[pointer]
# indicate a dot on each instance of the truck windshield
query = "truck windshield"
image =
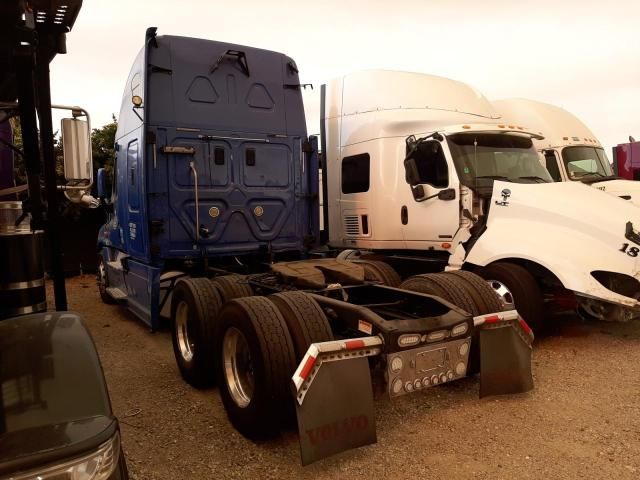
(481, 158)
(586, 163)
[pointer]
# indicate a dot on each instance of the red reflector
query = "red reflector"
(353, 344)
(492, 319)
(524, 325)
(308, 365)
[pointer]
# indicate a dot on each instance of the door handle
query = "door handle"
(404, 215)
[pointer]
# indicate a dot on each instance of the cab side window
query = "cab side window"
(355, 173)
(432, 164)
(552, 166)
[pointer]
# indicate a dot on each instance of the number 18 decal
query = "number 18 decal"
(632, 252)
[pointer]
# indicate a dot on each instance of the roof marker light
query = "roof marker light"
(466, 127)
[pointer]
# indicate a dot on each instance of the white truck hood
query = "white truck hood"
(621, 188)
(567, 227)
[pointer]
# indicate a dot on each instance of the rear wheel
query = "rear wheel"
(103, 282)
(256, 360)
(233, 286)
(305, 320)
(194, 309)
(465, 290)
(424, 284)
(450, 288)
(517, 287)
(486, 298)
(377, 271)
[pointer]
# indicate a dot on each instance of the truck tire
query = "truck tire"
(485, 297)
(423, 284)
(103, 282)
(255, 362)
(305, 320)
(194, 309)
(522, 286)
(456, 290)
(348, 254)
(233, 286)
(377, 271)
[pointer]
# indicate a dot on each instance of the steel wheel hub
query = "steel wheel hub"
(238, 367)
(102, 277)
(182, 331)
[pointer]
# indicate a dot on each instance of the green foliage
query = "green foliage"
(102, 142)
(19, 170)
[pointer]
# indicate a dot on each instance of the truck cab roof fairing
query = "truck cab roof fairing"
(206, 84)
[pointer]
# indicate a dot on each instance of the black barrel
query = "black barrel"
(22, 288)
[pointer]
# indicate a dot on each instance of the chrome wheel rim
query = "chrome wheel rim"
(506, 297)
(102, 277)
(238, 367)
(182, 331)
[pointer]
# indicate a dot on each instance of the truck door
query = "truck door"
(429, 208)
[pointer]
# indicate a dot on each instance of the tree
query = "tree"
(102, 145)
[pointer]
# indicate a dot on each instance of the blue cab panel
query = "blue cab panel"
(212, 160)
(230, 117)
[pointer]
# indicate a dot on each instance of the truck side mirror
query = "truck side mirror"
(411, 171)
(76, 144)
(447, 194)
(420, 193)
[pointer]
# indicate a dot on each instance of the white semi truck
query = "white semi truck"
(422, 172)
(569, 150)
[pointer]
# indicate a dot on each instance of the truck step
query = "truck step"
(116, 293)
(117, 265)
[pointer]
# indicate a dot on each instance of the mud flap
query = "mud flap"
(334, 398)
(505, 358)
(337, 413)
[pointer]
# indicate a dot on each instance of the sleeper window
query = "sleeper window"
(355, 173)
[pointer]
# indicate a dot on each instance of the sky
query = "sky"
(581, 55)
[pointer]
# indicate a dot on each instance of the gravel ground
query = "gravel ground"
(581, 421)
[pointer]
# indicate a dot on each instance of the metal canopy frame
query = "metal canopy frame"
(32, 33)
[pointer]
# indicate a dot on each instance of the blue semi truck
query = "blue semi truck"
(214, 225)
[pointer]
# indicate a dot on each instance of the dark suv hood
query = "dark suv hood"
(53, 396)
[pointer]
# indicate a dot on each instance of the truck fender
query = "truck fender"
(567, 253)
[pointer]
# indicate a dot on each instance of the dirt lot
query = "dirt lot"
(581, 421)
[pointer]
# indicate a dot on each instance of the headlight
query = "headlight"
(98, 465)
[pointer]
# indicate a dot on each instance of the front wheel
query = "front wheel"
(517, 288)
(103, 282)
